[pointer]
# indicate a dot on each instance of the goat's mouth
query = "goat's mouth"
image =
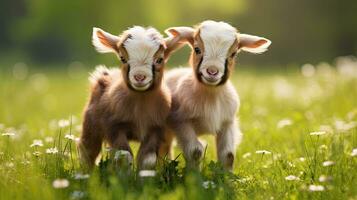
(141, 86)
(210, 80)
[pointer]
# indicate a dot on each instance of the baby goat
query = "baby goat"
(131, 103)
(203, 98)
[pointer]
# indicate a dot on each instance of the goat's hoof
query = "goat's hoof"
(197, 154)
(229, 161)
(123, 158)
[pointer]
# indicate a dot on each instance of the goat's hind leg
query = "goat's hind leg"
(90, 142)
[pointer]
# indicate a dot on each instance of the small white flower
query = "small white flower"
(62, 123)
(292, 178)
(147, 173)
(77, 194)
(324, 178)
(52, 150)
(343, 126)
(326, 128)
(302, 159)
(283, 123)
(354, 152)
(60, 183)
(247, 155)
(69, 137)
(318, 133)
(316, 188)
(49, 139)
(291, 164)
(262, 152)
(328, 163)
(208, 184)
(36, 153)
(36, 143)
(80, 176)
(8, 134)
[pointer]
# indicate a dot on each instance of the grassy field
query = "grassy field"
(300, 140)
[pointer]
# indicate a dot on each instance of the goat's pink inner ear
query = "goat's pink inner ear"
(105, 40)
(256, 44)
(173, 32)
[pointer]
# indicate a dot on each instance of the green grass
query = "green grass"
(31, 108)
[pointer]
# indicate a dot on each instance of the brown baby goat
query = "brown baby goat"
(131, 103)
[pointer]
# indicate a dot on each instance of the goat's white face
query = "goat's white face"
(215, 45)
(217, 39)
(140, 50)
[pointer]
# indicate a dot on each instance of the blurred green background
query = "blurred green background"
(52, 33)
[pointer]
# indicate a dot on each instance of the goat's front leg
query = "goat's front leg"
(227, 141)
(149, 148)
(119, 144)
(187, 139)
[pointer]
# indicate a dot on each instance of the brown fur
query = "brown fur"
(117, 114)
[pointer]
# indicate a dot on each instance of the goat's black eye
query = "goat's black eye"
(233, 54)
(159, 61)
(123, 60)
(197, 50)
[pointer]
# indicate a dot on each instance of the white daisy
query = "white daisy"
(316, 188)
(354, 152)
(292, 178)
(36, 143)
(283, 123)
(60, 183)
(70, 137)
(208, 184)
(8, 134)
(147, 173)
(262, 152)
(52, 150)
(36, 153)
(246, 155)
(324, 178)
(80, 176)
(328, 163)
(62, 123)
(318, 133)
(77, 194)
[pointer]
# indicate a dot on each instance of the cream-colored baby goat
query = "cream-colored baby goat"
(203, 98)
(131, 103)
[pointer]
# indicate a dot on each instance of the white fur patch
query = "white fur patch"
(217, 38)
(149, 161)
(141, 47)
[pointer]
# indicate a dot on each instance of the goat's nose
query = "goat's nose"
(139, 77)
(212, 71)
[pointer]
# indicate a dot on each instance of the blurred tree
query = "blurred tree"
(301, 31)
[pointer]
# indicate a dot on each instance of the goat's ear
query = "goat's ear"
(104, 42)
(177, 37)
(252, 43)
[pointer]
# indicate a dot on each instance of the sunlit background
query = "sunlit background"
(298, 107)
(50, 32)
